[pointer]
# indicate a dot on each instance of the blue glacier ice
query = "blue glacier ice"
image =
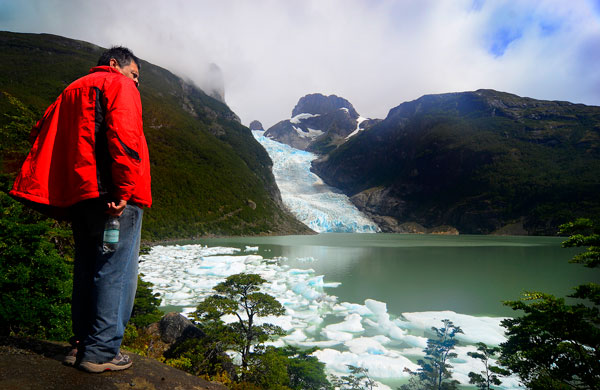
(323, 208)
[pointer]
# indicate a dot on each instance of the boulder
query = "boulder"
(174, 327)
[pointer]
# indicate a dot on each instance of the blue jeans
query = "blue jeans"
(104, 284)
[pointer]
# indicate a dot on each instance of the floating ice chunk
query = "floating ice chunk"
(352, 323)
(376, 307)
(284, 322)
(297, 335)
(320, 344)
(308, 259)
(336, 335)
(476, 329)
(306, 291)
(367, 345)
(295, 271)
(382, 320)
(251, 248)
(361, 310)
(379, 366)
(416, 341)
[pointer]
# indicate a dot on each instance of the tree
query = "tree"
(555, 344)
(490, 375)
(434, 373)
(239, 295)
(358, 379)
(305, 371)
(35, 277)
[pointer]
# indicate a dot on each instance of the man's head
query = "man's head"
(123, 60)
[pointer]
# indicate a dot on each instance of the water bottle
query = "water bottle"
(111, 234)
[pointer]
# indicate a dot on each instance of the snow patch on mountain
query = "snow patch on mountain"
(358, 129)
(296, 120)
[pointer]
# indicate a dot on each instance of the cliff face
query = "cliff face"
(479, 161)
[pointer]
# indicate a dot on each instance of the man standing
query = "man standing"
(89, 160)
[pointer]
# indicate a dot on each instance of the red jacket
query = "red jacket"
(89, 144)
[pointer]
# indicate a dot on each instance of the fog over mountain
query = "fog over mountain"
(377, 54)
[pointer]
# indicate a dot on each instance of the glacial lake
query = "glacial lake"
(370, 300)
(467, 274)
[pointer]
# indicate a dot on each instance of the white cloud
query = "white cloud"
(375, 53)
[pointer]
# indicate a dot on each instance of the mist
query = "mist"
(375, 53)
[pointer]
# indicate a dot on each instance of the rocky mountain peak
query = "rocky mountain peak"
(319, 104)
(318, 124)
(256, 125)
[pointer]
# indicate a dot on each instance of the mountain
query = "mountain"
(319, 124)
(482, 162)
(256, 125)
(209, 175)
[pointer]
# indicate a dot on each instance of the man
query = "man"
(89, 161)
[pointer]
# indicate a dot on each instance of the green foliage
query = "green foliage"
(491, 374)
(35, 279)
(555, 344)
(209, 175)
(268, 370)
(200, 356)
(305, 371)
(358, 379)
(145, 306)
(434, 373)
(477, 161)
(239, 295)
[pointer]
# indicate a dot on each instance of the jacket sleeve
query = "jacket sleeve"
(124, 135)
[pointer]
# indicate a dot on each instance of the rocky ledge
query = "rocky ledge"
(37, 365)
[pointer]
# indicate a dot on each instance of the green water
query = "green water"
(466, 274)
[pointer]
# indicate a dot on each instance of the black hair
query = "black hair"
(121, 54)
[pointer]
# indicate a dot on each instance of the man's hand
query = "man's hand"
(116, 209)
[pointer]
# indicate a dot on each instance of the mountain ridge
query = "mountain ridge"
(479, 161)
(209, 175)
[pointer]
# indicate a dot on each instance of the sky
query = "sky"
(375, 53)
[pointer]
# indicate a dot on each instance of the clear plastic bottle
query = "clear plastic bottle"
(111, 234)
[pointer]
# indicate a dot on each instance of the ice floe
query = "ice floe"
(364, 335)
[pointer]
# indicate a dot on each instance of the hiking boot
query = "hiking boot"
(70, 358)
(120, 362)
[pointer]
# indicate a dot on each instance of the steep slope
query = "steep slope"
(209, 175)
(479, 161)
(319, 124)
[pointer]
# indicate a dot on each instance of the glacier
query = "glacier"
(322, 208)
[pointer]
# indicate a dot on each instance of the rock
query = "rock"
(37, 365)
(319, 104)
(512, 229)
(174, 327)
(411, 228)
(256, 125)
(444, 230)
(379, 201)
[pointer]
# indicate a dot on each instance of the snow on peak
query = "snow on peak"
(358, 129)
(344, 109)
(296, 120)
(311, 133)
